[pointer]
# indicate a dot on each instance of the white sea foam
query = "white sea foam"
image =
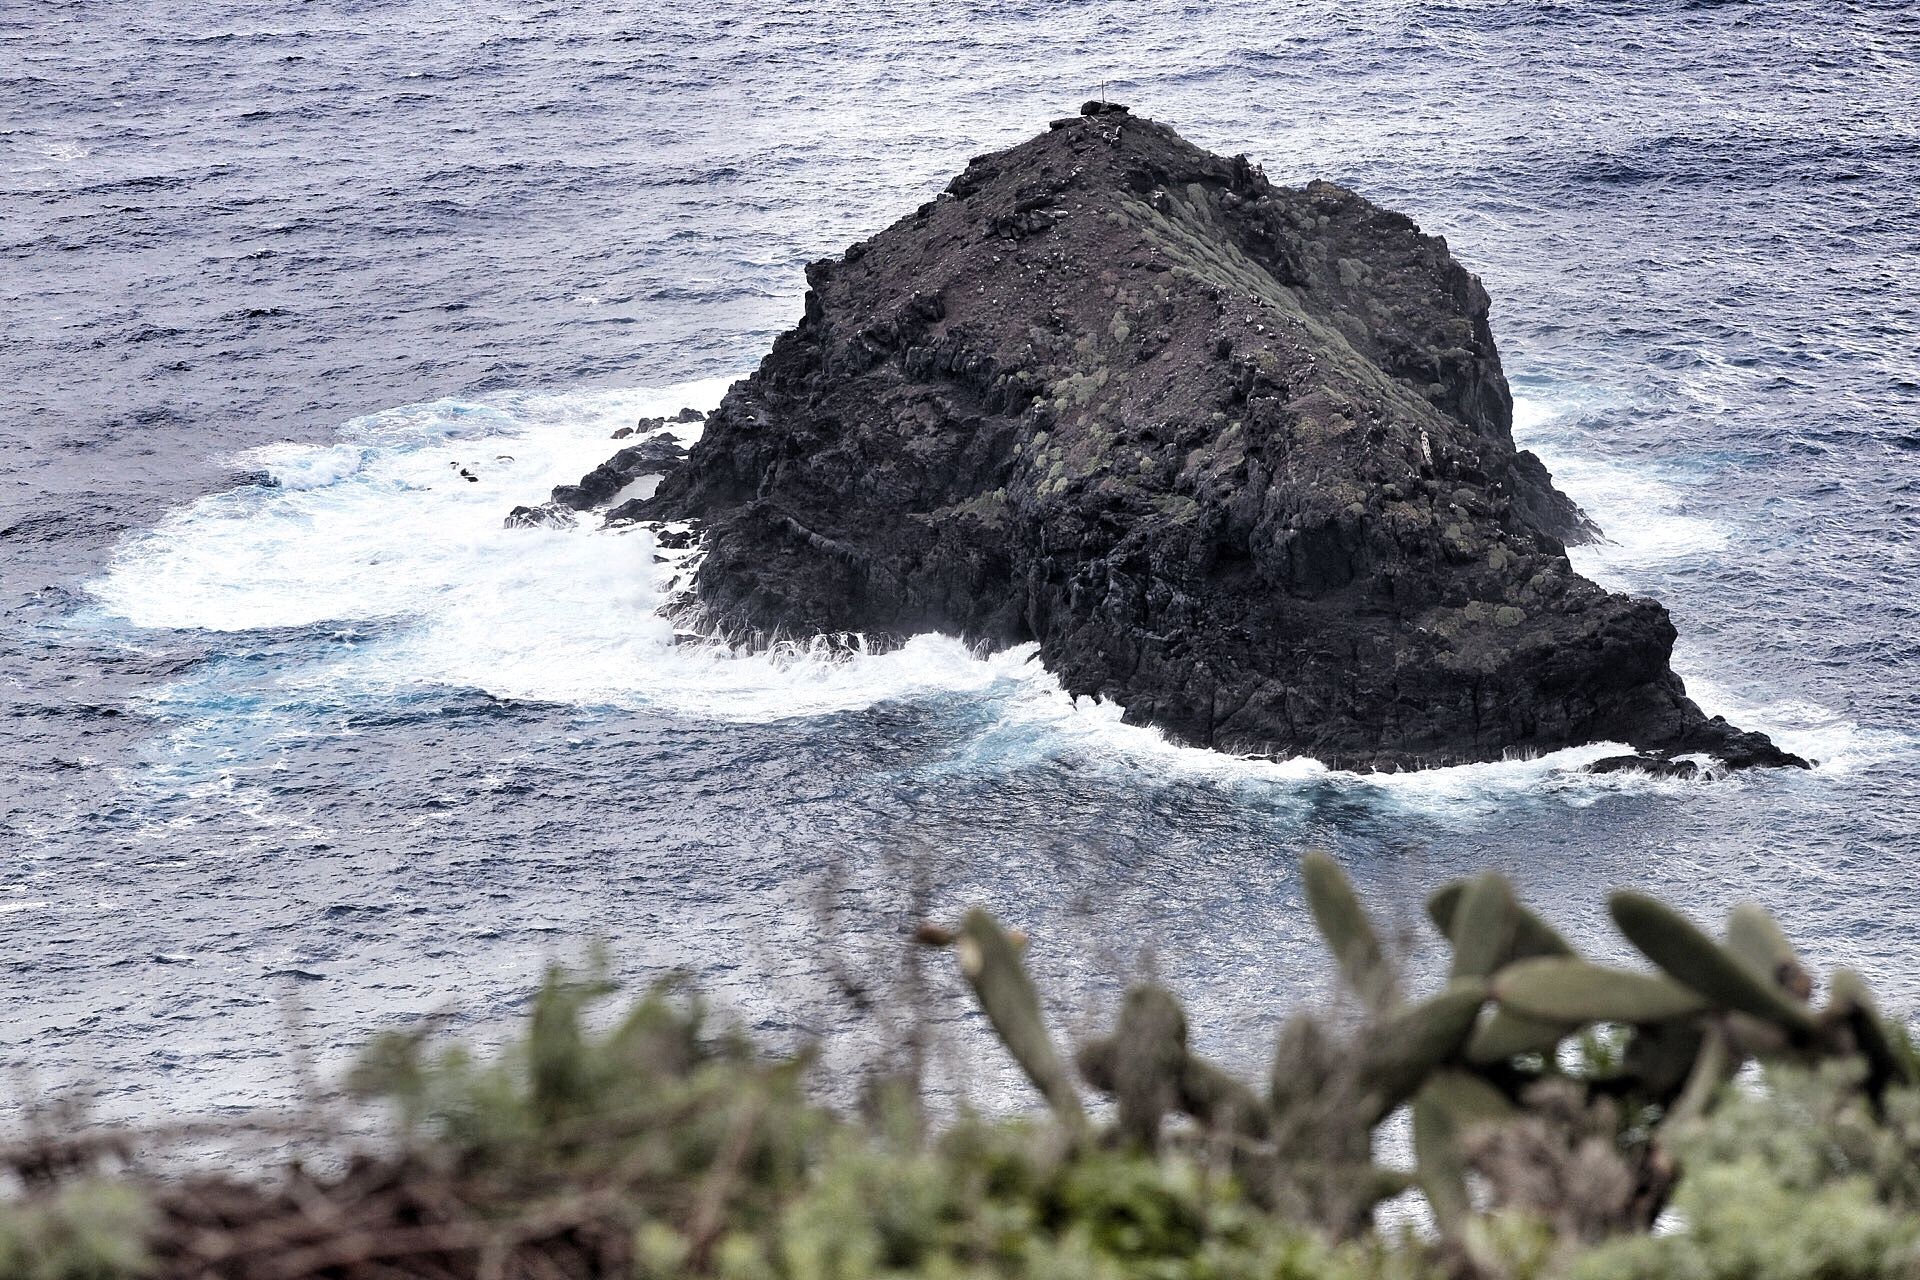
(1041, 724)
(1641, 515)
(298, 467)
(1643, 519)
(1835, 742)
(383, 527)
(381, 540)
(385, 524)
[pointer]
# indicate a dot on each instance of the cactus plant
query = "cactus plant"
(1484, 926)
(1448, 1105)
(1146, 1077)
(1505, 1034)
(1579, 992)
(1889, 1057)
(991, 963)
(1482, 1054)
(1711, 1069)
(1756, 938)
(1532, 936)
(1678, 946)
(1406, 1046)
(1348, 933)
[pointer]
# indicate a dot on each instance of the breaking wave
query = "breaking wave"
(387, 552)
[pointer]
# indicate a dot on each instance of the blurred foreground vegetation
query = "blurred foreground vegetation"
(1702, 1117)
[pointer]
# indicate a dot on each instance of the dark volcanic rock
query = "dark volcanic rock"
(656, 455)
(548, 515)
(1237, 456)
(1656, 766)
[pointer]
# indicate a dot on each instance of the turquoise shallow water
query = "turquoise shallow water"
(287, 711)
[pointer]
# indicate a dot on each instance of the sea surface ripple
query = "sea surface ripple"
(293, 728)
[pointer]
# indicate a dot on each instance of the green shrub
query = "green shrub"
(1557, 1108)
(89, 1230)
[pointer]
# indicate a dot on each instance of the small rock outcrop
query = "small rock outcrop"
(654, 456)
(1237, 456)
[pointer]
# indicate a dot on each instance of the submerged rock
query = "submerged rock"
(655, 456)
(548, 515)
(1652, 765)
(1237, 456)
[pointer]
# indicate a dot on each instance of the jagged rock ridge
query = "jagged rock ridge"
(1237, 456)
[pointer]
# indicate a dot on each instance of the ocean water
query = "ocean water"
(296, 735)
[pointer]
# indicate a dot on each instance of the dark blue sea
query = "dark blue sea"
(296, 741)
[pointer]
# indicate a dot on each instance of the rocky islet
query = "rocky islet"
(1237, 456)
